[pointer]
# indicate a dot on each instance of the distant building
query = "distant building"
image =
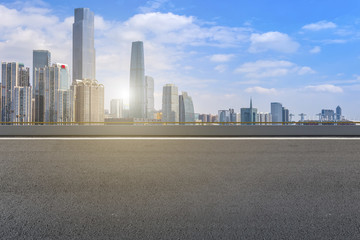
(327, 115)
(277, 112)
(264, 118)
(224, 116)
(249, 115)
(52, 94)
(89, 101)
(338, 114)
(285, 115)
(41, 59)
(16, 93)
(84, 66)
(170, 103)
(116, 108)
(186, 108)
(150, 102)
(227, 116)
(137, 104)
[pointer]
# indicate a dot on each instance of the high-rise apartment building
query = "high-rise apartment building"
(52, 94)
(170, 103)
(89, 101)
(150, 102)
(16, 93)
(277, 112)
(83, 45)
(264, 118)
(186, 108)
(116, 108)
(137, 103)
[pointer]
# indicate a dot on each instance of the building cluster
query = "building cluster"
(278, 115)
(51, 99)
(175, 107)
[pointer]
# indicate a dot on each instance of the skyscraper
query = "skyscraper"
(16, 93)
(285, 115)
(186, 108)
(83, 45)
(170, 103)
(249, 115)
(41, 59)
(276, 112)
(150, 103)
(87, 95)
(137, 103)
(338, 113)
(116, 108)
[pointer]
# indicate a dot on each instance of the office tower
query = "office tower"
(137, 103)
(249, 115)
(276, 112)
(52, 94)
(116, 108)
(186, 108)
(170, 103)
(89, 101)
(224, 116)
(285, 115)
(150, 102)
(41, 59)
(338, 113)
(16, 93)
(83, 45)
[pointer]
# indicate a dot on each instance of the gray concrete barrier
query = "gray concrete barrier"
(179, 131)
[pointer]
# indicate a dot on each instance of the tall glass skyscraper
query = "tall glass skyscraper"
(186, 108)
(41, 59)
(83, 45)
(277, 112)
(137, 103)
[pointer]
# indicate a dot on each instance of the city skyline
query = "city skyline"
(307, 65)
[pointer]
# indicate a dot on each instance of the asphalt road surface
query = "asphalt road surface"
(179, 189)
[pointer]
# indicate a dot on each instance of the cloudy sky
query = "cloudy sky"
(304, 54)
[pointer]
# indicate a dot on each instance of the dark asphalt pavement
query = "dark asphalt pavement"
(179, 189)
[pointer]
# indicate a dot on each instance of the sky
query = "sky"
(302, 53)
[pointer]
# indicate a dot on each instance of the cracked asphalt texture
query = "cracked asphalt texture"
(179, 189)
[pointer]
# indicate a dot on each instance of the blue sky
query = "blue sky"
(304, 54)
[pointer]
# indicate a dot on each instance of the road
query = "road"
(179, 188)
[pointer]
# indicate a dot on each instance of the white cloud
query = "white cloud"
(325, 88)
(221, 57)
(319, 26)
(305, 70)
(153, 5)
(261, 90)
(273, 41)
(269, 69)
(221, 68)
(315, 50)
